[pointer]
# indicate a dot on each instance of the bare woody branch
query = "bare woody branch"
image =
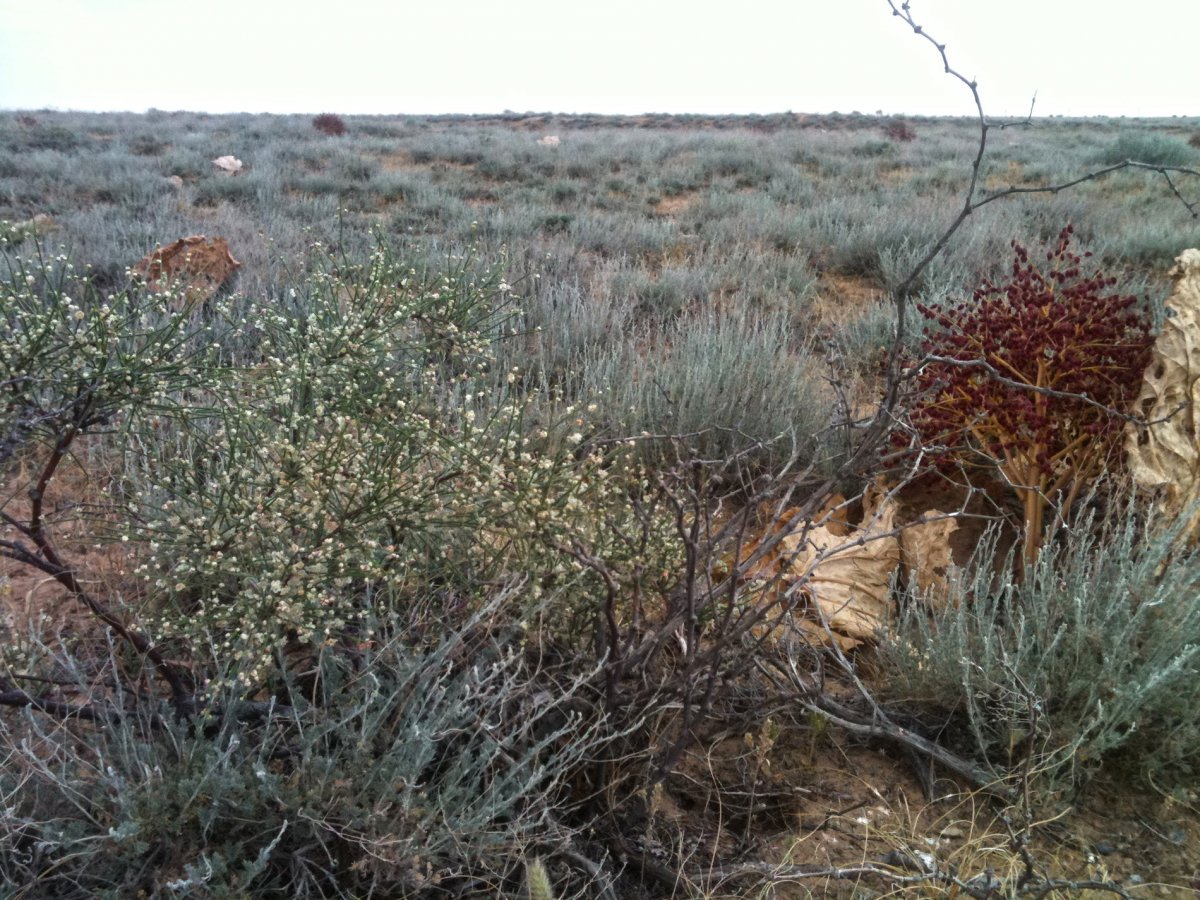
(877, 429)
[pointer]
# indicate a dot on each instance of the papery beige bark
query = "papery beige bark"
(927, 559)
(1164, 456)
(847, 574)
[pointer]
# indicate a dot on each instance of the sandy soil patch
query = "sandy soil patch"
(670, 207)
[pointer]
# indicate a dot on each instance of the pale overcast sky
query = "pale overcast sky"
(1082, 57)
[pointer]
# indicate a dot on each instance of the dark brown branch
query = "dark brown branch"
(11, 696)
(880, 726)
(242, 711)
(878, 428)
(995, 375)
(47, 560)
(1165, 171)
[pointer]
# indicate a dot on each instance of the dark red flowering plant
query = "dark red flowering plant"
(1032, 377)
(330, 124)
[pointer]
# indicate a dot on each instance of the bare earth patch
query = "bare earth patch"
(843, 298)
(811, 798)
(673, 206)
(76, 503)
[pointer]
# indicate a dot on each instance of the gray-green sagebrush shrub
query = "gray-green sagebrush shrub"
(1094, 655)
(721, 384)
(1147, 147)
(411, 769)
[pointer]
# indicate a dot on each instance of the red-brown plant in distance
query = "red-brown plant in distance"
(330, 124)
(1032, 376)
(899, 130)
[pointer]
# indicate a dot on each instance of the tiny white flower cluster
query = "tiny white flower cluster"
(366, 450)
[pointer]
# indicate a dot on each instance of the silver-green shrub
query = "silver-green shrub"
(719, 384)
(1094, 656)
(409, 770)
(1150, 147)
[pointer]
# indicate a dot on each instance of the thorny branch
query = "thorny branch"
(1193, 207)
(994, 374)
(877, 429)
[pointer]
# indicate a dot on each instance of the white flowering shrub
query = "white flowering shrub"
(72, 362)
(372, 452)
(347, 535)
(288, 468)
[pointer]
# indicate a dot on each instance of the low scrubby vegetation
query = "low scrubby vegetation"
(415, 562)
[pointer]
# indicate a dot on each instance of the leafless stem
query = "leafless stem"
(44, 557)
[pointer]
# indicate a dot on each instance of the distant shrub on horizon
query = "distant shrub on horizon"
(330, 124)
(899, 130)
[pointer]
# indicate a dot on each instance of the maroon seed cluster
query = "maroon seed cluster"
(1033, 377)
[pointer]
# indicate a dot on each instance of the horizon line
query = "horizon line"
(528, 114)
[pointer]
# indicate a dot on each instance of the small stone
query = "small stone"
(916, 861)
(1104, 848)
(228, 165)
(1135, 878)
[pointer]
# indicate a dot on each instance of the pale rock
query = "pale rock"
(228, 165)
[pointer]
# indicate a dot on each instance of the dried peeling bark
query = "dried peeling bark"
(1163, 455)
